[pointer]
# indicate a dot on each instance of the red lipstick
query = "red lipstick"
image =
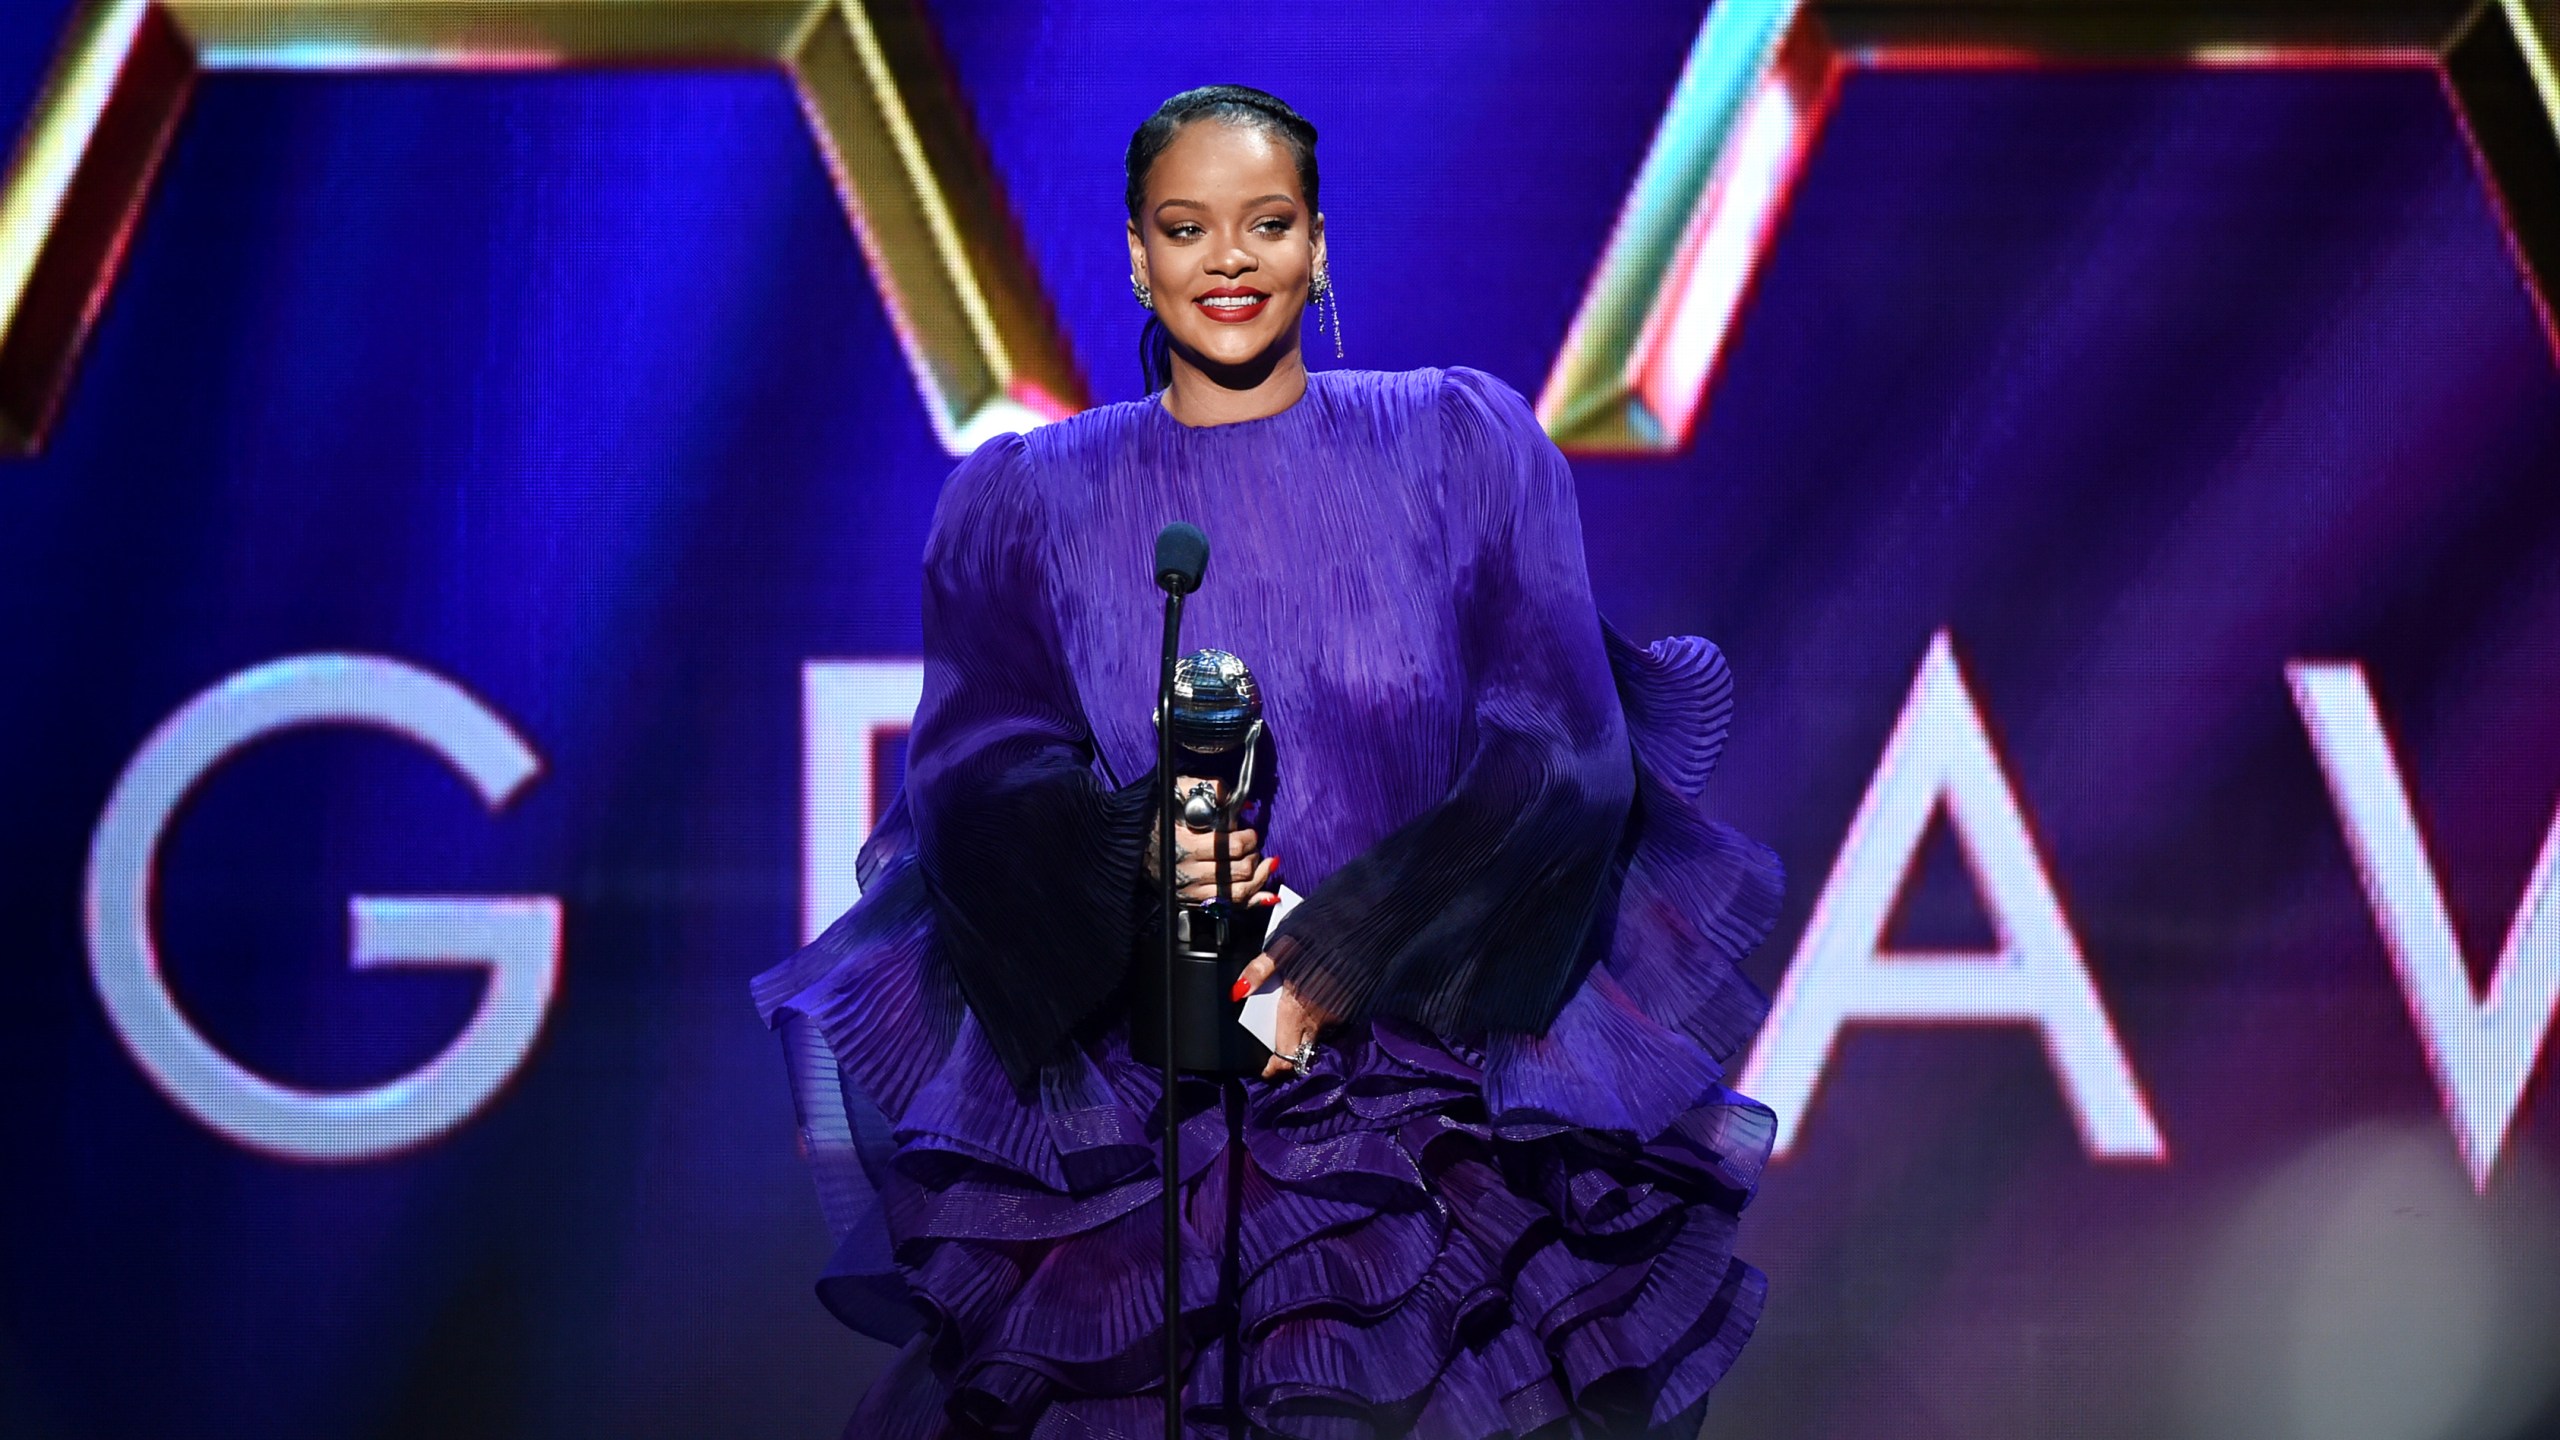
(1255, 303)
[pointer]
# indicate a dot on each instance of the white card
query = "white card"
(1261, 1015)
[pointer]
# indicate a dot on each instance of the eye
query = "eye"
(1182, 231)
(1273, 226)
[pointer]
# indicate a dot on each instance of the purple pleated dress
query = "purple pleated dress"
(1502, 1201)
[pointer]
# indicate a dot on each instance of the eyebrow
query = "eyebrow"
(1164, 205)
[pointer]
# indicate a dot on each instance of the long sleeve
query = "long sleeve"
(1030, 859)
(1472, 915)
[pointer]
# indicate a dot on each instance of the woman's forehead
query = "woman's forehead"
(1217, 162)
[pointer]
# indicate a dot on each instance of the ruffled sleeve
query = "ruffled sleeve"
(1471, 916)
(1029, 858)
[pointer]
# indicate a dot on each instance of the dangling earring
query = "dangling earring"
(1325, 303)
(1146, 300)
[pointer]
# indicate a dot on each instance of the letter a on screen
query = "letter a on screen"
(1940, 753)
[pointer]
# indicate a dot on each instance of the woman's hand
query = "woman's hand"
(1293, 1024)
(1251, 876)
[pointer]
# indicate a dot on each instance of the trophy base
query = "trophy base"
(1207, 1038)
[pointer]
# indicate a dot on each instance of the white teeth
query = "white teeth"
(1232, 302)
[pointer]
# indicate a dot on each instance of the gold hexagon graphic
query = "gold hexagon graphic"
(1658, 317)
(976, 328)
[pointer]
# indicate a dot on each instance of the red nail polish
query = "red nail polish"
(1242, 986)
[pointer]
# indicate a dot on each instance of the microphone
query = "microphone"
(1182, 556)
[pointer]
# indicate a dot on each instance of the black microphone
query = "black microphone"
(1182, 557)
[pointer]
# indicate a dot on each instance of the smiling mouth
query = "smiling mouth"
(1232, 308)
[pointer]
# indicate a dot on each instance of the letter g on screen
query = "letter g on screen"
(516, 938)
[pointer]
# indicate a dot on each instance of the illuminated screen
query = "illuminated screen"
(461, 613)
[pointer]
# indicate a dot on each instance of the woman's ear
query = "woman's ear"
(1318, 232)
(1138, 257)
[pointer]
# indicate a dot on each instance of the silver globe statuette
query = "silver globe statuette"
(1217, 710)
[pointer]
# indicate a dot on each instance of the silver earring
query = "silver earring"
(1327, 305)
(1137, 287)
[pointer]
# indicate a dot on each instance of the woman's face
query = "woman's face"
(1226, 244)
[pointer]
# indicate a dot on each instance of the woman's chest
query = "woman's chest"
(1336, 589)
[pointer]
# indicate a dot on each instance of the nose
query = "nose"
(1237, 261)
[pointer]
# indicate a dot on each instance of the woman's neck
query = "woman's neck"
(1198, 398)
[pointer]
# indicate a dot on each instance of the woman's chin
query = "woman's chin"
(1244, 356)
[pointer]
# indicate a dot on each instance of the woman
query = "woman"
(1489, 1186)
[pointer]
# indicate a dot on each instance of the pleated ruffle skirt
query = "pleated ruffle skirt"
(1420, 1235)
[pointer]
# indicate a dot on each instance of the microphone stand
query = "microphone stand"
(1171, 1138)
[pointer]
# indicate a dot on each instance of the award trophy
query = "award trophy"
(1218, 737)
